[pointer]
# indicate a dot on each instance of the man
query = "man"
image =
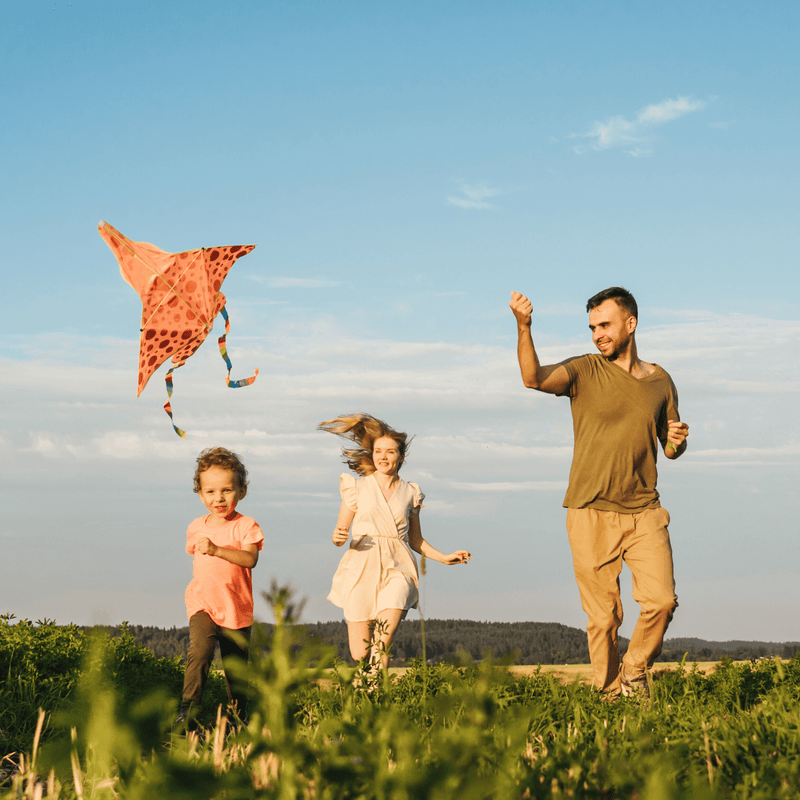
(622, 408)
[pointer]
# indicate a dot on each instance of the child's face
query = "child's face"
(220, 492)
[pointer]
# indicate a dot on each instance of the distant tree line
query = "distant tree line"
(455, 640)
(701, 650)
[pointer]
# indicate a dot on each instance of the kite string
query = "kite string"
(224, 353)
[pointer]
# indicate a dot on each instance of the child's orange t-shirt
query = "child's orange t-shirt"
(221, 589)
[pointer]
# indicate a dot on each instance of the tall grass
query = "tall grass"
(437, 732)
(42, 664)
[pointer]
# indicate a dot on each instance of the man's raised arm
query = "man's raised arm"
(552, 379)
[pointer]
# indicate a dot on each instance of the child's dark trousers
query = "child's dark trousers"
(204, 634)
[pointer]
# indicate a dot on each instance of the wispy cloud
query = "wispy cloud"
(474, 196)
(510, 486)
(489, 454)
(276, 282)
(632, 134)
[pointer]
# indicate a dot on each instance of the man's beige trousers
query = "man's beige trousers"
(600, 542)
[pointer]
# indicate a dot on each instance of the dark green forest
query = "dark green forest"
(453, 640)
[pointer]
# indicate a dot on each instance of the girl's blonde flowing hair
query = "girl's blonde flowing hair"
(364, 429)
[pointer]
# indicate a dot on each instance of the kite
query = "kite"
(180, 300)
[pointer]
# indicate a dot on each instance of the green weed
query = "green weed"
(439, 731)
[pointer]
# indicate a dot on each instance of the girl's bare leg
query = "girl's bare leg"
(387, 620)
(359, 635)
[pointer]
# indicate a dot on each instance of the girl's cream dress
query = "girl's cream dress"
(379, 570)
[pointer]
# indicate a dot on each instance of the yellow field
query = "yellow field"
(568, 673)
(582, 672)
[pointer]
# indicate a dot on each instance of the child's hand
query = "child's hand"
(340, 536)
(457, 557)
(206, 547)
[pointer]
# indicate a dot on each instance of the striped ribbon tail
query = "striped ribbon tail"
(223, 349)
(168, 404)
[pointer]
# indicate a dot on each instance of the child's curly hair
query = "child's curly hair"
(364, 429)
(220, 457)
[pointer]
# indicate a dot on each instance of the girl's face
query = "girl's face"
(386, 456)
(220, 492)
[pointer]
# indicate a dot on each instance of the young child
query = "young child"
(219, 599)
(377, 580)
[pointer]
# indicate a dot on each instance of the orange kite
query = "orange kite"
(180, 300)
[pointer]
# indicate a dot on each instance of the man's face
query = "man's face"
(612, 328)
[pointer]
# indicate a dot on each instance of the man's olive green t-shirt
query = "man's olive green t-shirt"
(618, 421)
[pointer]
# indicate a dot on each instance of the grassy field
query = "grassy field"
(583, 672)
(569, 673)
(319, 730)
(566, 673)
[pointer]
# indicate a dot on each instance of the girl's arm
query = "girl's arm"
(246, 557)
(342, 530)
(419, 545)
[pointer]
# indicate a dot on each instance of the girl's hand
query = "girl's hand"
(457, 557)
(206, 547)
(340, 536)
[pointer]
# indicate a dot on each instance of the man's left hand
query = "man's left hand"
(676, 436)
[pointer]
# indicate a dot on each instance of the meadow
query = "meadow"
(319, 729)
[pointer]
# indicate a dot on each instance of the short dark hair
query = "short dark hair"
(623, 297)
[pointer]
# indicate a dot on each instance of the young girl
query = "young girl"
(219, 600)
(377, 579)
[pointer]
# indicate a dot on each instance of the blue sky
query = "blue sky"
(401, 168)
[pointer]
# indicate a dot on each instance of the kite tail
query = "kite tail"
(168, 405)
(224, 352)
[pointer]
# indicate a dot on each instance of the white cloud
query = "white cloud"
(60, 409)
(788, 452)
(509, 486)
(474, 196)
(278, 282)
(41, 443)
(667, 110)
(492, 458)
(121, 444)
(620, 131)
